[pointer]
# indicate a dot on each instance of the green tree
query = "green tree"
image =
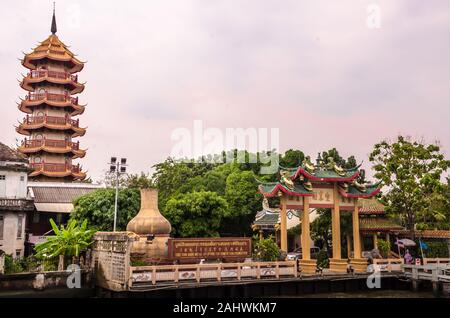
(196, 214)
(349, 163)
(138, 181)
(292, 158)
(243, 203)
(412, 171)
(172, 174)
(97, 208)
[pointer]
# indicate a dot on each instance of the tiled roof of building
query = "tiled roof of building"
(8, 154)
(266, 218)
(55, 194)
(430, 233)
(271, 189)
(379, 224)
(370, 206)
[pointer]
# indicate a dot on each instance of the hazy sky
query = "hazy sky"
(313, 69)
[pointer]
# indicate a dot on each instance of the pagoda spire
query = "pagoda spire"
(54, 29)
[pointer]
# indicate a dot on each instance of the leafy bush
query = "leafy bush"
(139, 262)
(12, 265)
(436, 249)
(384, 247)
(266, 249)
(322, 259)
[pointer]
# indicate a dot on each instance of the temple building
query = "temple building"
(50, 123)
(375, 224)
(321, 185)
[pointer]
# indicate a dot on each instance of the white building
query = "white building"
(14, 201)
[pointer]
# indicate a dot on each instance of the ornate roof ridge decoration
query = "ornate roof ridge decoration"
(358, 190)
(297, 181)
(329, 171)
(273, 190)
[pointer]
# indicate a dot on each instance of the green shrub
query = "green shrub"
(12, 265)
(322, 259)
(139, 262)
(384, 247)
(436, 248)
(266, 249)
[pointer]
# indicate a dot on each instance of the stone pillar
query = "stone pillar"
(375, 240)
(261, 235)
(349, 245)
(283, 221)
(305, 238)
(307, 264)
(358, 263)
(337, 264)
(356, 234)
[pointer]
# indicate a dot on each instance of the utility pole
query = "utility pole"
(118, 168)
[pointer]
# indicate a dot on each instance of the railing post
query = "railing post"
(176, 274)
(197, 274)
(258, 270)
(219, 273)
(154, 275)
(277, 270)
(295, 269)
(239, 272)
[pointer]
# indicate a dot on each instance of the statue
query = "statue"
(344, 186)
(331, 165)
(360, 186)
(308, 165)
(308, 185)
(362, 176)
(286, 180)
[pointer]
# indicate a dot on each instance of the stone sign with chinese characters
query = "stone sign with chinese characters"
(210, 248)
(322, 198)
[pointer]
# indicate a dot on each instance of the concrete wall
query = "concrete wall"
(14, 186)
(11, 242)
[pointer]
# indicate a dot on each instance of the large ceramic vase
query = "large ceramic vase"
(151, 226)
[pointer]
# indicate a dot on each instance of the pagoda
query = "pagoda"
(321, 185)
(51, 108)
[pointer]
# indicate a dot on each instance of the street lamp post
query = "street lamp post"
(117, 167)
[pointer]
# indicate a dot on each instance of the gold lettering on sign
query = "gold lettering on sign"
(322, 196)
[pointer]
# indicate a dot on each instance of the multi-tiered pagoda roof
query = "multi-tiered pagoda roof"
(50, 107)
